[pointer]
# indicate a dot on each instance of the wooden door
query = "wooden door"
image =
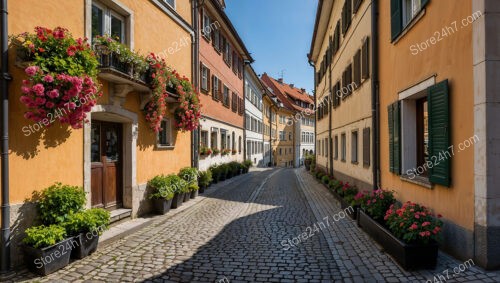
(106, 155)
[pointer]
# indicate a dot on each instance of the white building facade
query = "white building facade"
(254, 126)
(304, 139)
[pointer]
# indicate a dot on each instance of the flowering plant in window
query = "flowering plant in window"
(62, 74)
(413, 223)
(225, 152)
(215, 151)
(205, 150)
(188, 114)
(377, 203)
(156, 109)
(234, 151)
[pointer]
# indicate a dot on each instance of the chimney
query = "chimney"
(280, 80)
(303, 90)
(292, 85)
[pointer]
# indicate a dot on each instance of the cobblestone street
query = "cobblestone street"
(235, 232)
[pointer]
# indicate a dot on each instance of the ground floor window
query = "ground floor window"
(213, 138)
(164, 137)
(354, 147)
(204, 138)
(343, 147)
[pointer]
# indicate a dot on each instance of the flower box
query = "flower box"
(177, 200)
(162, 206)
(194, 194)
(187, 197)
(48, 260)
(112, 61)
(410, 257)
(84, 244)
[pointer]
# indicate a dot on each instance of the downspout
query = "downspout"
(244, 112)
(194, 72)
(375, 98)
(4, 79)
(315, 106)
(330, 114)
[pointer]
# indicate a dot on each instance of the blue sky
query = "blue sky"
(278, 34)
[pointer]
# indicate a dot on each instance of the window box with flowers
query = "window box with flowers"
(62, 76)
(215, 151)
(205, 151)
(409, 233)
(225, 152)
(233, 152)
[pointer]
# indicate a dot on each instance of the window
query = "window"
(357, 69)
(226, 96)
(215, 39)
(216, 88)
(365, 59)
(247, 121)
(337, 95)
(336, 148)
(282, 135)
(290, 136)
(205, 78)
(346, 16)
(108, 21)
(402, 14)
(234, 102)
(366, 147)
(223, 139)
(280, 151)
(354, 147)
(165, 136)
(213, 138)
(206, 26)
(204, 139)
(326, 147)
(347, 81)
(171, 3)
(356, 5)
(343, 148)
(222, 45)
(239, 144)
(419, 135)
(227, 52)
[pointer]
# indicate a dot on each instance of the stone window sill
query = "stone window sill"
(417, 180)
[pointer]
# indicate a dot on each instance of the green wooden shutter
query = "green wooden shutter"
(439, 133)
(396, 18)
(394, 138)
(424, 3)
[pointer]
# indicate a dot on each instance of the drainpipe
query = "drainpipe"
(5, 78)
(375, 98)
(330, 114)
(311, 63)
(194, 57)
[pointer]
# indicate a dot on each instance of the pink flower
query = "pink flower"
(49, 104)
(71, 105)
(414, 226)
(31, 71)
(25, 100)
(426, 223)
(40, 101)
(38, 89)
(417, 216)
(25, 89)
(48, 79)
(53, 93)
(28, 115)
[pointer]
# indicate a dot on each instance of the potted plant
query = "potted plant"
(349, 193)
(308, 161)
(215, 171)
(86, 227)
(205, 151)
(215, 151)
(225, 152)
(46, 248)
(58, 201)
(178, 186)
(223, 172)
(204, 180)
(163, 192)
(246, 165)
(190, 175)
(412, 235)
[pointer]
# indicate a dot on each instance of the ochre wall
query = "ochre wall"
(39, 160)
(450, 58)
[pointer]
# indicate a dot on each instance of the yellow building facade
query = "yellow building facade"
(117, 130)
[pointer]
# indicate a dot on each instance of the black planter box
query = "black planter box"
(177, 200)
(162, 206)
(84, 244)
(50, 259)
(111, 61)
(194, 194)
(187, 197)
(410, 257)
(202, 189)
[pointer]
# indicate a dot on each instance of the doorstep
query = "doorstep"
(119, 215)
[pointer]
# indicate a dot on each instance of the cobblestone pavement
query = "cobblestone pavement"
(236, 233)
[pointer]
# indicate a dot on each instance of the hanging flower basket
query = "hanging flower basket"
(65, 89)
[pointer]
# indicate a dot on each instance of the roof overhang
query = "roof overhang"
(320, 27)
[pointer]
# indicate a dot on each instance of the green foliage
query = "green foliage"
(193, 187)
(189, 175)
(58, 201)
(377, 203)
(349, 193)
(44, 236)
(164, 187)
(247, 164)
(223, 170)
(312, 169)
(325, 179)
(234, 167)
(205, 178)
(215, 172)
(96, 219)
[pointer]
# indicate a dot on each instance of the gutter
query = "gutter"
(194, 73)
(375, 97)
(4, 151)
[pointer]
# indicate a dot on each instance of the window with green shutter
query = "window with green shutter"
(402, 14)
(439, 133)
(394, 121)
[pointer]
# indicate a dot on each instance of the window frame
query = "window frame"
(168, 132)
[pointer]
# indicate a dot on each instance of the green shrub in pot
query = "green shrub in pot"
(162, 188)
(205, 178)
(58, 201)
(95, 219)
(44, 236)
(189, 175)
